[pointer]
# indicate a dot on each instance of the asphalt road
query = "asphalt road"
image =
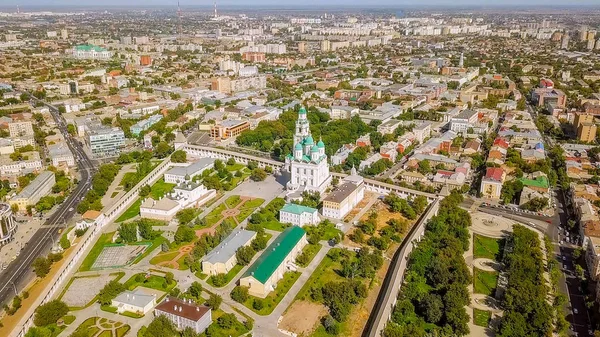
(19, 271)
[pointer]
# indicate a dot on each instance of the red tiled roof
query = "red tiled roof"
(494, 173)
(180, 308)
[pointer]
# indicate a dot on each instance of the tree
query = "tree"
(424, 167)
(239, 294)
(419, 204)
(195, 290)
(41, 265)
(433, 308)
(109, 292)
(214, 301)
(41, 332)
(161, 326)
(50, 312)
(145, 191)
(64, 242)
(244, 255)
(185, 215)
(179, 156)
(258, 174)
(162, 150)
(226, 321)
(184, 234)
(169, 277)
(231, 162)
(128, 232)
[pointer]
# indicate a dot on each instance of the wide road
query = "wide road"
(18, 273)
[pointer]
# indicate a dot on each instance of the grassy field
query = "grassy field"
(153, 282)
(254, 203)
(215, 215)
(159, 189)
(325, 272)
(162, 257)
(237, 329)
(484, 282)
(488, 248)
(233, 201)
(481, 317)
(275, 226)
(310, 251)
(271, 301)
(104, 239)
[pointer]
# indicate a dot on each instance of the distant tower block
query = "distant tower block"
(461, 62)
(179, 27)
(216, 16)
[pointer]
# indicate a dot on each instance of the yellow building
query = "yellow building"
(586, 132)
(222, 259)
(262, 276)
(582, 117)
(32, 193)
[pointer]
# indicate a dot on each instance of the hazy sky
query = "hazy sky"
(246, 3)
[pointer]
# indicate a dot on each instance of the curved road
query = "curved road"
(18, 272)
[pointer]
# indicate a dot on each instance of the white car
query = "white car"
(564, 258)
(575, 311)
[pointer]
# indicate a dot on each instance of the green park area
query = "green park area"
(484, 282)
(487, 248)
(481, 317)
(102, 327)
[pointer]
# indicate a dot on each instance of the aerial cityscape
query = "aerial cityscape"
(318, 169)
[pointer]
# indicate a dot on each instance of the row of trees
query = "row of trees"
(434, 295)
(129, 232)
(526, 310)
(100, 184)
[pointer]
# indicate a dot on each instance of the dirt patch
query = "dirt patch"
(369, 196)
(383, 216)
(303, 317)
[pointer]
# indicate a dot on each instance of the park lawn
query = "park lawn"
(126, 177)
(233, 201)
(234, 168)
(275, 226)
(160, 189)
(153, 282)
(104, 239)
(122, 331)
(228, 277)
(68, 319)
(311, 251)
(162, 257)
(215, 215)
(484, 282)
(153, 245)
(182, 264)
(326, 271)
(237, 329)
(254, 203)
(487, 248)
(270, 302)
(481, 317)
(244, 213)
(114, 194)
(131, 212)
(201, 275)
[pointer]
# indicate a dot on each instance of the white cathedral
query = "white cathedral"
(308, 163)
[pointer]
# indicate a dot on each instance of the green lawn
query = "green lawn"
(481, 317)
(162, 257)
(153, 282)
(484, 282)
(114, 194)
(275, 225)
(69, 319)
(160, 189)
(309, 251)
(131, 212)
(96, 250)
(201, 275)
(234, 168)
(254, 203)
(271, 301)
(122, 331)
(233, 201)
(488, 248)
(215, 215)
(326, 271)
(244, 213)
(228, 277)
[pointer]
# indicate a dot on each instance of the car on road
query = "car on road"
(564, 258)
(71, 209)
(575, 311)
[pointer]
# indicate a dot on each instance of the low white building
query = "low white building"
(61, 155)
(342, 200)
(183, 173)
(298, 215)
(185, 314)
(163, 209)
(135, 301)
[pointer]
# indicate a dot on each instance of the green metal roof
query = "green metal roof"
(273, 256)
(89, 47)
(540, 182)
(302, 111)
(297, 209)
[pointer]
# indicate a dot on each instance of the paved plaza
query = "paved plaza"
(83, 289)
(117, 256)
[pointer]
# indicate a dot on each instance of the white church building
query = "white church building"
(308, 163)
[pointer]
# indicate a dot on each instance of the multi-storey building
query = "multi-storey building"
(31, 194)
(184, 314)
(8, 224)
(341, 201)
(91, 52)
(298, 215)
(105, 142)
(228, 129)
(20, 128)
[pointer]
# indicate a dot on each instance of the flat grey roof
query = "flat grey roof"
(192, 168)
(227, 248)
(342, 192)
(34, 186)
